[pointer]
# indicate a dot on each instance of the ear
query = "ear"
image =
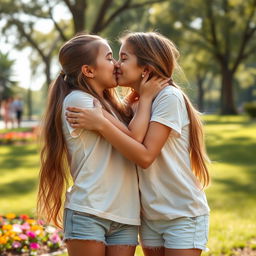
(88, 71)
(147, 69)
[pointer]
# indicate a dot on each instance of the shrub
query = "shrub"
(250, 109)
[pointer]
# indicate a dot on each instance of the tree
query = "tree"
(22, 17)
(6, 72)
(226, 28)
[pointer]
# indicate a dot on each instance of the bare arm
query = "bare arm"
(139, 124)
(142, 154)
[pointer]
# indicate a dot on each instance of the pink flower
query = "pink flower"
(16, 228)
(55, 238)
(31, 234)
(23, 236)
(25, 226)
(34, 246)
(16, 244)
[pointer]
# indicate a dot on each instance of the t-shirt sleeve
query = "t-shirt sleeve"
(81, 100)
(167, 109)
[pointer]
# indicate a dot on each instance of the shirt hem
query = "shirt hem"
(103, 215)
(176, 216)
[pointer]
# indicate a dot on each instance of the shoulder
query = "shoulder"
(77, 98)
(169, 95)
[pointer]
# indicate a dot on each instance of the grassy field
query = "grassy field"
(231, 143)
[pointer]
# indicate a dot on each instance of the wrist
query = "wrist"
(102, 125)
(146, 99)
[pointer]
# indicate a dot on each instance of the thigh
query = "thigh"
(182, 252)
(124, 250)
(156, 251)
(85, 248)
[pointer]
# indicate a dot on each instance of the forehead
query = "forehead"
(105, 48)
(125, 49)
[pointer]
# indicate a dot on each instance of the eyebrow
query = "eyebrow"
(109, 53)
(123, 53)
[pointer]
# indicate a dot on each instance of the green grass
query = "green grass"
(231, 143)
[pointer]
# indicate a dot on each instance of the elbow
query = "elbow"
(145, 162)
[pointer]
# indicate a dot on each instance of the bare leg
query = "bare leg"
(182, 252)
(122, 250)
(156, 251)
(85, 248)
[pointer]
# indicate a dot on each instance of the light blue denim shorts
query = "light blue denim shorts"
(84, 226)
(180, 233)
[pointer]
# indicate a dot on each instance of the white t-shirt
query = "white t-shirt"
(105, 183)
(169, 188)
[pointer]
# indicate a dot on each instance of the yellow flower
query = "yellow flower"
(30, 221)
(10, 233)
(10, 216)
(17, 238)
(36, 227)
(3, 240)
(7, 227)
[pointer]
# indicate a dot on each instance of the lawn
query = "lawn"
(231, 143)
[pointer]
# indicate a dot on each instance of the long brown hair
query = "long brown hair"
(158, 52)
(54, 172)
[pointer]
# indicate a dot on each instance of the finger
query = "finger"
(72, 120)
(74, 109)
(75, 125)
(72, 114)
(145, 78)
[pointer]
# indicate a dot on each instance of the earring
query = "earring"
(142, 75)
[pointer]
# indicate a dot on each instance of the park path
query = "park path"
(24, 124)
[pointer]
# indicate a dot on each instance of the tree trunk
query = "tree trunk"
(227, 93)
(200, 96)
(29, 102)
(47, 64)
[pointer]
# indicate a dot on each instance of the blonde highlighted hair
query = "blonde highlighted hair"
(54, 172)
(160, 54)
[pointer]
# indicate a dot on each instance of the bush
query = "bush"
(250, 109)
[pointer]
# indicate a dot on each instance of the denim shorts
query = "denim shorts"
(84, 226)
(180, 233)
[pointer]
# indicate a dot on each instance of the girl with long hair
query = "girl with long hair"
(172, 159)
(102, 209)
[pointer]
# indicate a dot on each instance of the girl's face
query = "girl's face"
(105, 71)
(128, 72)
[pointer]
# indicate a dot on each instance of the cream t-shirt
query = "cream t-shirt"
(105, 183)
(169, 188)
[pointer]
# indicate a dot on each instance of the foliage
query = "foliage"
(250, 109)
(6, 73)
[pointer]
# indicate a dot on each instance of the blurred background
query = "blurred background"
(217, 43)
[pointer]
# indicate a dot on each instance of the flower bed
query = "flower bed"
(14, 137)
(22, 235)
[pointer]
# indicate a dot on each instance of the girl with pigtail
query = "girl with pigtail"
(172, 160)
(102, 208)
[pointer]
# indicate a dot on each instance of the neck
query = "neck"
(136, 87)
(96, 87)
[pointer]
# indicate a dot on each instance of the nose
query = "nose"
(117, 64)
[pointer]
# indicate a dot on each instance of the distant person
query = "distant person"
(11, 111)
(18, 109)
(7, 112)
(4, 112)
